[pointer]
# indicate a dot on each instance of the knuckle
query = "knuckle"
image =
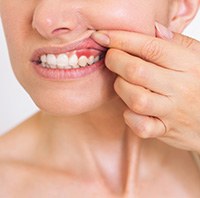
(190, 86)
(144, 130)
(185, 90)
(134, 72)
(139, 103)
(187, 41)
(151, 50)
(189, 93)
(195, 69)
(123, 44)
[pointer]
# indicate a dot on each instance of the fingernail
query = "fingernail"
(101, 38)
(163, 32)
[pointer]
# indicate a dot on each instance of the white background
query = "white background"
(15, 103)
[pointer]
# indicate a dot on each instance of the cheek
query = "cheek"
(12, 38)
(128, 16)
(17, 32)
(17, 25)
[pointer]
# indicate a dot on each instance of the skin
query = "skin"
(157, 109)
(72, 147)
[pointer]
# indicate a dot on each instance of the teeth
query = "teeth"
(73, 61)
(90, 60)
(51, 60)
(83, 61)
(62, 61)
(96, 59)
(44, 59)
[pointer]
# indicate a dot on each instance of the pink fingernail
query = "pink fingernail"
(101, 38)
(163, 32)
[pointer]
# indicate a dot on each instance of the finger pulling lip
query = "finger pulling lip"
(82, 46)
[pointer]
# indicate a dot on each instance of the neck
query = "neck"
(99, 141)
(104, 124)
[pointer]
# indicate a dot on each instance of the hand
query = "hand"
(159, 80)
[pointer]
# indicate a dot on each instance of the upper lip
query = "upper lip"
(87, 43)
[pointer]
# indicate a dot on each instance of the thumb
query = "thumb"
(185, 41)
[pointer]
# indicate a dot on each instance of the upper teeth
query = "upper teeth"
(63, 61)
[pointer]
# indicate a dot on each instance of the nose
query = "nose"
(54, 18)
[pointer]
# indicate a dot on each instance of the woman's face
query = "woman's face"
(57, 26)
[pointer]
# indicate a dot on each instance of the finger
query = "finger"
(151, 49)
(144, 126)
(141, 100)
(180, 39)
(139, 72)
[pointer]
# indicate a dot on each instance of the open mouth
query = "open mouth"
(70, 60)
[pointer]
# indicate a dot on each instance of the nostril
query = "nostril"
(60, 31)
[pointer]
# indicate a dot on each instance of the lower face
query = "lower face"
(92, 87)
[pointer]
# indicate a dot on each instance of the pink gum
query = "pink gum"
(84, 52)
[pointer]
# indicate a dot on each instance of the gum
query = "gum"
(84, 52)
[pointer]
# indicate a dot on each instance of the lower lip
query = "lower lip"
(67, 74)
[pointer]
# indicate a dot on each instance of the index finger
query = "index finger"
(158, 51)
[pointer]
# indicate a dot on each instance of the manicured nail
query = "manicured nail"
(101, 38)
(163, 32)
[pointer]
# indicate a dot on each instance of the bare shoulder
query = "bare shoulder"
(16, 151)
(17, 154)
(17, 142)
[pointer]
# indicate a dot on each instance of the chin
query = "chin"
(68, 107)
(70, 97)
(70, 103)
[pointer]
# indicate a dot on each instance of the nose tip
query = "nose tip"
(53, 21)
(42, 25)
(48, 28)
